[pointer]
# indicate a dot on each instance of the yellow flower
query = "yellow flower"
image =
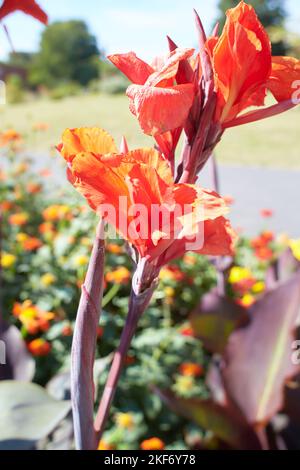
(21, 237)
(81, 260)
(48, 279)
(184, 384)
(259, 287)
(238, 274)
(169, 291)
(247, 300)
(125, 420)
(7, 260)
(295, 247)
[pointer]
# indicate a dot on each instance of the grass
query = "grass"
(273, 142)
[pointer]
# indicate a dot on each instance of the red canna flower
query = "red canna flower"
(30, 7)
(142, 179)
(244, 69)
(159, 104)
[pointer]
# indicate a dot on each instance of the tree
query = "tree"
(272, 14)
(68, 53)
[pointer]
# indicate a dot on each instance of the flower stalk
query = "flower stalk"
(143, 286)
(84, 345)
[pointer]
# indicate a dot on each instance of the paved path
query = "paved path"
(254, 189)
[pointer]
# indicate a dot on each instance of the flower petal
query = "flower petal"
(161, 109)
(135, 69)
(241, 61)
(285, 73)
(84, 139)
(30, 7)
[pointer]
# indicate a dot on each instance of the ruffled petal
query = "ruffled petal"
(84, 139)
(161, 109)
(284, 77)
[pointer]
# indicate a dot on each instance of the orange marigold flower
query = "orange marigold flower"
(120, 275)
(32, 317)
(189, 369)
(187, 331)
(30, 7)
(39, 347)
(56, 212)
(264, 253)
(114, 249)
(67, 330)
(10, 136)
(5, 206)
(154, 443)
(144, 178)
(46, 227)
(31, 244)
(103, 445)
(33, 188)
(19, 219)
(158, 103)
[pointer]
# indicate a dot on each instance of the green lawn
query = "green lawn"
(273, 142)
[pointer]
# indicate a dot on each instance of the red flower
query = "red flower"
(266, 213)
(159, 104)
(30, 7)
(244, 69)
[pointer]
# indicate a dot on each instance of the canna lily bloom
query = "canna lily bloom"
(244, 69)
(30, 7)
(158, 217)
(159, 104)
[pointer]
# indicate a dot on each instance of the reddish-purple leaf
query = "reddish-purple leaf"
(215, 319)
(227, 424)
(258, 358)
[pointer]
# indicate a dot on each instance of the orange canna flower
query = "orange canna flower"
(30, 7)
(284, 76)
(143, 179)
(241, 60)
(158, 103)
(244, 69)
(154, 443)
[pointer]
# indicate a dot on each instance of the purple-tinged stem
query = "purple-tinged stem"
(139, 301)
(214, 173)
(84, 345)
(8, 38)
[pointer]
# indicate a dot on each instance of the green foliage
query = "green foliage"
(114, 85)
(68, 53)
(15, 89)
(64, 90)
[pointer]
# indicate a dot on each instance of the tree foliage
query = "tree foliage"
(68, 53)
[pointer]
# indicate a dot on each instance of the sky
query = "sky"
(124, 25)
